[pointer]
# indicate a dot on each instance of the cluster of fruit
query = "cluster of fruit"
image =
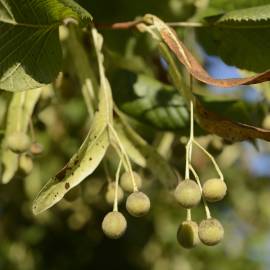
(114, 223)
(20, 143)
(188, 194)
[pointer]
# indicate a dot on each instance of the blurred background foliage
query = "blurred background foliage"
(69, 235)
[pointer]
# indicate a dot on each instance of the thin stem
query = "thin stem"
(189, 215)
(118, 25)
(207, 210)
(191, 109)
(211, 158)
(135, 188)
(191, 136)
(185, 24)
(187, 159)
(119, 153)
(130, 24)
(115, 204)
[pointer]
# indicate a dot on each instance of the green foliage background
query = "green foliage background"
(69, 235)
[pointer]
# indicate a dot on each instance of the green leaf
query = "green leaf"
(150, 101)
(30, 50)
(92, 150)
(240, 37)
(225, 5)
(19, 114)
(248, 16)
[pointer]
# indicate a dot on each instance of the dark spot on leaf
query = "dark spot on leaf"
(67, 185)
(61, 174)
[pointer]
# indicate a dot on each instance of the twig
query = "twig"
(131, 24)
(118, 25)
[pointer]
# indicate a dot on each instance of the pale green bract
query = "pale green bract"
(91, 152)
(30, 52)
(18, 118)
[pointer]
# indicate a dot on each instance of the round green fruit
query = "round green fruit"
(211, 231)
(187, 193)
(187, 234)
(138, 204)
(126, 181)
(214, 190)
(114, 225)
(110, 193)
(18, 142)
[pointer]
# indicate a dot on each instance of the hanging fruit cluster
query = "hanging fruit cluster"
(190, 192)
(114, 223)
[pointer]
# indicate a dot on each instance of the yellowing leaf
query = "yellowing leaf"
(169, 37)
(227, 129)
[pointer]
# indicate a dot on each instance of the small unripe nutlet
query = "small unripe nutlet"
(214, 190)
(187, 193)
(110, 194)
(18, 142)
(36, 148)
(114, 225)
(187, 234)
(126, 181)
(138, 204)
(26, 164)
(211, 231)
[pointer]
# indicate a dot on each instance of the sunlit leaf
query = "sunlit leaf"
(150, 101)
(30, 50)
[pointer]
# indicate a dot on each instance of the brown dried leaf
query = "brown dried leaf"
(169, 36)
(227, 129)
